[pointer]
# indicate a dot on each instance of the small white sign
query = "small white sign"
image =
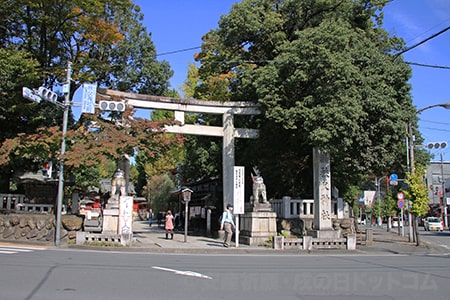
(88, 99)
(125, 215)
(239, 190)
(30, 95)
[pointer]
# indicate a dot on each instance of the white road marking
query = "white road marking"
(13, 250)
(185, 273)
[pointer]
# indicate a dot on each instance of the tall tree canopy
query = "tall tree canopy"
(325, 75)
(104, 39)
(17, 69)
(107, 44)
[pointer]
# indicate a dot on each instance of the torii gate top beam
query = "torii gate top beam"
(183, 105)
(179, 106)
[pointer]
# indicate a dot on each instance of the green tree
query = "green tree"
(325, 75)
(105, 40)
(203, 153)
(158, 189)
(389, 208)
(17, 69)
(107, 44)
(17, 115)
(351, 196)
(417, 193)
(377, 208)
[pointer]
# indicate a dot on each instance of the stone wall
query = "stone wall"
(299, 227)
(38, 227)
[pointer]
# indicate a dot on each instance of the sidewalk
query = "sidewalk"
(391, 242)
(152, 239)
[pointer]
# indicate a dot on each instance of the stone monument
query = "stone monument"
(322, 227)
(118, 188)
(259, 221)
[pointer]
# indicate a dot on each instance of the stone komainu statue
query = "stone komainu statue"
(118, 184)
(259, 188)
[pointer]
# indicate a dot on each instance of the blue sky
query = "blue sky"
(179, 24)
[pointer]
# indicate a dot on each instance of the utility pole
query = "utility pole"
(443, 200)
(411, 138)
(66, 106)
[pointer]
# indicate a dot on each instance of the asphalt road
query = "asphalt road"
(436, 237)
(83, 274)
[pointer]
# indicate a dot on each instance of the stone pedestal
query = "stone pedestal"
(325, 234)
(113, 203)
(257, 227)
(110, 221)
(258, 207)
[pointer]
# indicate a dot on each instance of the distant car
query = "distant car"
(395, 222)
(433, 223)
(361, 222)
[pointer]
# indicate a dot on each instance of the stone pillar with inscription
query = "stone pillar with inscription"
(323, 227)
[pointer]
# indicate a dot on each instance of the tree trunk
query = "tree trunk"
(416, 231)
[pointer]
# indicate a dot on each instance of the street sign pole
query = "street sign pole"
(401, 204)
(401, 223)
(61, 162)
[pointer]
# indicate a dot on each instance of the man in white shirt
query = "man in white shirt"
(227, 224)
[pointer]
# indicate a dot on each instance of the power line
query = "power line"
(428, 66)
(178, 51)
(434, 122)
(436, 129)
(199, 47)
(422, 42)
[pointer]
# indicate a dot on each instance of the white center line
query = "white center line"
(185, 273)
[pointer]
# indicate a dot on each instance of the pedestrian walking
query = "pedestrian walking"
(169, 225)
(227, 224)
(150, 217)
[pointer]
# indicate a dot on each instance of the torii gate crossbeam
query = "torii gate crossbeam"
(180, 106)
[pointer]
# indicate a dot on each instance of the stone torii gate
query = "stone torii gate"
(227, 131)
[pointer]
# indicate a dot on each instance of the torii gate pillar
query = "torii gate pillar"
(228, 157)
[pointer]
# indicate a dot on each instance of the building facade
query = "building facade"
(438, 172)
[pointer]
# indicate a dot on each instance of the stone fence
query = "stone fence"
(310, 243)
(19, 203)
(288, 208)
(38, 227)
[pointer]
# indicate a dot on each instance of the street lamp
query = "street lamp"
(410, 157)
(411, 138)
(444, 105)
(186, 195)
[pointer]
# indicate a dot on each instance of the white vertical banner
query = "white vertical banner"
(88, 98)
(238, 190)
(238, 196)
(126, 215)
